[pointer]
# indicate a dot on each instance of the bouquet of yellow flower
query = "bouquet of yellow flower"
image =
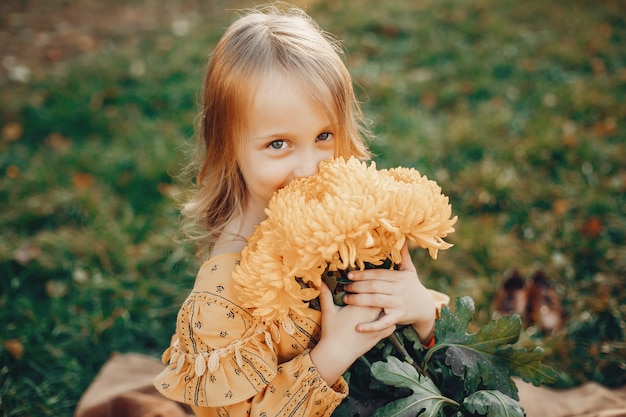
(351, 215)
(346, 216)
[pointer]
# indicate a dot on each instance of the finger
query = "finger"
(369, 274)
(369, 300)
(406, 264)
(369, 287)
(382, 323)
(326, 298)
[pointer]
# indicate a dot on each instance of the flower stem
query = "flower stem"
(397, 343)
(367, 363)
(429, 353)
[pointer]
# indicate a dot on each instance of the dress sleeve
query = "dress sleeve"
(224, 362)
(441, 300)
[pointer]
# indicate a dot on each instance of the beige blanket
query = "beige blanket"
(123, 388)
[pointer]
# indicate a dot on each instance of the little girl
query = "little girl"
(278, 99)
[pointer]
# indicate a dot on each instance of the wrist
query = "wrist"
(425, 329)
(330, 364)
(426, 333)
(429, 340)
(425, 326)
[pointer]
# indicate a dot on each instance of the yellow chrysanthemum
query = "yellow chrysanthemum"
(346, 215)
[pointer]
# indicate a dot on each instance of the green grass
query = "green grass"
(515, 108)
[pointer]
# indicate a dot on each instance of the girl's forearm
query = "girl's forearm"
(425, 328)
(330, 361)
(425, 331)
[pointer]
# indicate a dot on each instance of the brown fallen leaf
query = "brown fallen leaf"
(12, 132)
(58, 142)
(82, 180)
(429, 99)
(592, 227)
(607, 127)
(15, 348)
(12, 172)
(560, 206)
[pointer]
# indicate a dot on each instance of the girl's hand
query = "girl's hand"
(400, 294)
(340, 343)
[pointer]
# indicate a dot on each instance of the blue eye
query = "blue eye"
(278, 144)
(324, 136)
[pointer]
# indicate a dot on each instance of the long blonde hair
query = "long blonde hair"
(277, 37)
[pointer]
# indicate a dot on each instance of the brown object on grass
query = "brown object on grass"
(511, 297)
(544, 308)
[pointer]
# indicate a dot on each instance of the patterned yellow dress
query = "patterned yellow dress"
(223, 361)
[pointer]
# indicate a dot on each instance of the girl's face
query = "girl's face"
(288, 136)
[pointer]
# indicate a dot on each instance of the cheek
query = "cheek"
(269, 179)
(327, 152)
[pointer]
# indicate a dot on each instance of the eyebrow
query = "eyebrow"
(270, 135)
(286, 135)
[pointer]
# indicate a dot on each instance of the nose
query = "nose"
(307, 164)
(306, 167)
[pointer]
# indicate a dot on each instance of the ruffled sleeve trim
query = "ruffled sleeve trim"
(221, 376)
(316, 391)
(441, 300)
(220, 354)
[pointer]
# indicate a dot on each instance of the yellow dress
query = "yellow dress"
(223, 361)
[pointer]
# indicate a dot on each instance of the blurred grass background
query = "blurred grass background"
(517, 109)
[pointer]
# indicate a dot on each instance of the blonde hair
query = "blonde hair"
(277, 37)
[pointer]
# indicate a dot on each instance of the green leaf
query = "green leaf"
(475, 356)
(453, 326)
(486, 359)
(527, 364)
(396, 373)
(426, 396)
(493, 403)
